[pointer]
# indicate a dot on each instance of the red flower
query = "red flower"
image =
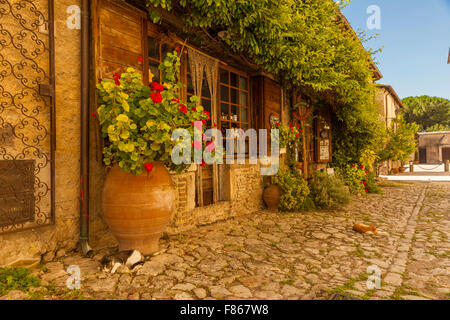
(116, 78)
(366, 172)
(290, 124)
(297, 135)
(177, 49)
(203, 121)
(194, 109)
(215, 125)
(298, 127)
(207, 113)
(156, 97)
(140, 59)
(367, 190)
(361, 166)
(278, 124)
(183, 108)
(360, 182)
(301, 131)
(155, 86)
(93, 115)
(353, 165)
(365, 183)
(148, 166)
(176, 100)
(203, 163)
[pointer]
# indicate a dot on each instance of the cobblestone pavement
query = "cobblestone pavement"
(270, 255)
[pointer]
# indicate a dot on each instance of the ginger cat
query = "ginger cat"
(362, 228)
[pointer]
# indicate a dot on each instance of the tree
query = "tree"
(430, 113)
(401, 142)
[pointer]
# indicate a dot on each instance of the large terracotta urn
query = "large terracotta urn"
(138, 208)
(271, 196)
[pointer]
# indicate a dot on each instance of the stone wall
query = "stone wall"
(26, 247)
(244, 192)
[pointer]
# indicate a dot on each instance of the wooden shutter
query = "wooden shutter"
(120, 38)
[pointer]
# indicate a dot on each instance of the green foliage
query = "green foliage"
(371, 183)
(289, 137)
(401, 141)
(354, 177)
(328, 191)
(430, 113)
(138, 121)
(294, 188)
(357, 131)
(305, 44)
(16, 278)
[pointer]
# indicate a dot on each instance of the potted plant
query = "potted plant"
(288, 139)
(286, 191)
(137, 123)
(271, 194)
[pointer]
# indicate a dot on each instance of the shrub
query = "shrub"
(353, 176)
(371, 183)
(294, 188)
(328, 191)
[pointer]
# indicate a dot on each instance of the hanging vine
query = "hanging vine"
(305, 43)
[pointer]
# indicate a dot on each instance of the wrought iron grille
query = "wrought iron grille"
(27, 132)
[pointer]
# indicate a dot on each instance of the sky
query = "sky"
(415, 36)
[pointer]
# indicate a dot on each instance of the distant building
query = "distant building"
(388, 102)
(434, 147)
(389, 105)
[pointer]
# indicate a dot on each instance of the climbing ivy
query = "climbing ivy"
(303, 42)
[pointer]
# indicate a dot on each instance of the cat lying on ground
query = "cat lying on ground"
(129, 258)
(362, 228)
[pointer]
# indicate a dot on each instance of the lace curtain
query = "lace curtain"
(201, 64)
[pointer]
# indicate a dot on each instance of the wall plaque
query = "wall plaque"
(16, 191)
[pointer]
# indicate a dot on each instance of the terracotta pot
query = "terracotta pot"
(271, 196)
(138, 208)
(401, 169)
(394, 170)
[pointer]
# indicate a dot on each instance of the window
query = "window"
(233, 100)
(206, 178)
(234, 106)
(157, 51)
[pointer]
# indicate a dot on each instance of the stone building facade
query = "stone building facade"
(434, 147)
(61, 231)
(122, 36)
(389, 105)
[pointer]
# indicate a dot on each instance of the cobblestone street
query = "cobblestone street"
(270, 255)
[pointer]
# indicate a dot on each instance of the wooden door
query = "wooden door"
(422, 155)
(445, 154)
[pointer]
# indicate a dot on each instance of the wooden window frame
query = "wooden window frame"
(248, 107)
(155, 32)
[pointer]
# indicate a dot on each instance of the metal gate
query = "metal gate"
(27, 118)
